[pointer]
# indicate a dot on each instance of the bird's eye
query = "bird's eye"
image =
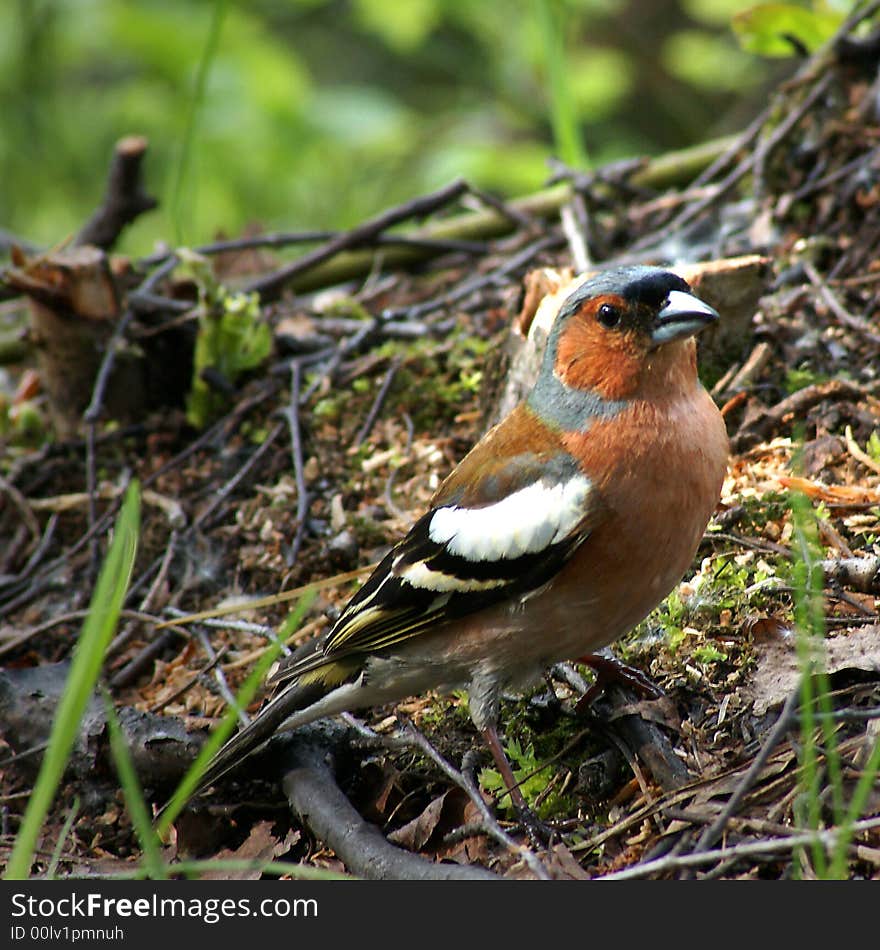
(608, 315)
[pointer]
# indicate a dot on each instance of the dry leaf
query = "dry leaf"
(831, 494)
(778, 670)
(415, 834)
(260, 847)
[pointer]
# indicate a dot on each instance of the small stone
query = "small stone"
(344, 547)
(311, 469)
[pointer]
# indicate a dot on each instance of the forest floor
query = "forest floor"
(323, 456)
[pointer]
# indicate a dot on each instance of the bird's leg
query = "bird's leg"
(539, 833)
(609, 670)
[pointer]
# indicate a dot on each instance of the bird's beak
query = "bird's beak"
(682, 315)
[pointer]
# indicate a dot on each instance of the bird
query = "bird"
(560, 530)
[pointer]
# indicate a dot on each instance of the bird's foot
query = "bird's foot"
(541, 835)
(610, 671)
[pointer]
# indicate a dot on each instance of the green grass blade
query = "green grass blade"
(88, 657)
(563, 114)
(859, 800)
(809, 613)
(809, 626)
(197, 867)
(189, 783)
(180, 185)
(134, 796)
(52, 867)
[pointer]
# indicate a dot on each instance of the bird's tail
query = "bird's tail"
(252, 737)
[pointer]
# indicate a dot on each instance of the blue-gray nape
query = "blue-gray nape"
(573, 410)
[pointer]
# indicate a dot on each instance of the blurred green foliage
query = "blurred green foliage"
(768, 28)
(316, 113)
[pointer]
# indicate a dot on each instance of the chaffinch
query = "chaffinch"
(563, 527)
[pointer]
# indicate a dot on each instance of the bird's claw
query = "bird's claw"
(541, 835)
(609, 671)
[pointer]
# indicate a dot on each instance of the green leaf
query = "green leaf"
(708, 653)
(599, 79)
(797, 379)
(403, 26)
(764, 29)
(815, 690)
(531, 775)
(709, 61)
(72, 815)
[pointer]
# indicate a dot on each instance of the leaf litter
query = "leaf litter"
(397, 373)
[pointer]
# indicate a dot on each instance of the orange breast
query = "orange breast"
(659, 486)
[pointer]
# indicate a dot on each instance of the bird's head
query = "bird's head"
(614, 332)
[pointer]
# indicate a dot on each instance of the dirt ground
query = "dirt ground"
(322, 455)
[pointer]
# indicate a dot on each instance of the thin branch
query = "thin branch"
(270, 286)
(843, 316)
(413, 738)
(711, 834)
(90, 418)
(302, 494)
(158, 706)
(319, 803)
(749, 849)
(378, 403)
(24, 509)
(467, 287)
(204, 517)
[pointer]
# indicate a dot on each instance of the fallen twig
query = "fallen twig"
(842, 315)
(378, 402)
(860, 574)
(270, 285)
(748, 849)
(674, 168)
(467, 287)
(858, 453)
(160, 704)
(302, 494)
(711, 834)
(413, 738)
(206, 515)
(319, 803)
(792, 407)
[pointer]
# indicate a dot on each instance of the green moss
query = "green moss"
(328, 409)
(542, 749)
(772, 506)
(24, 425)
(708, 653)
(533, 779)
(727, 586)
(232, 338)
(797, 378)
(434, 384)
(346, 307)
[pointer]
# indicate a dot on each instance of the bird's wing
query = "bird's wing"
(499, 537)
